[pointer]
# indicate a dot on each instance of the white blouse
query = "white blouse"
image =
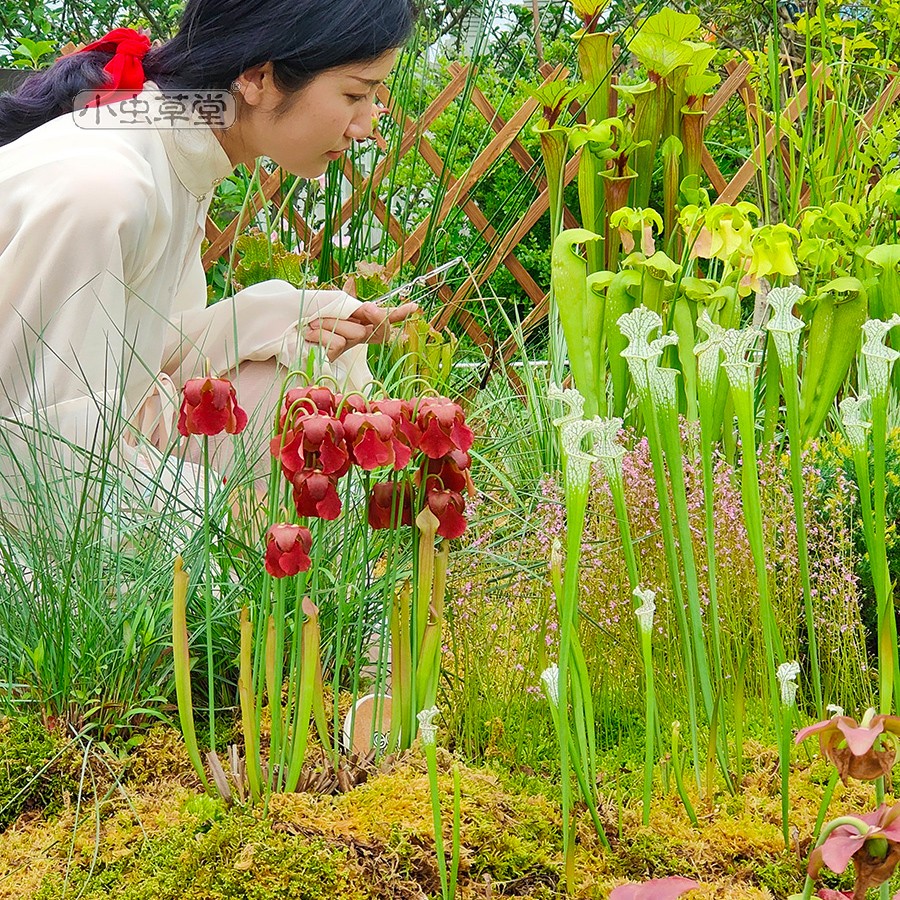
(102, 291)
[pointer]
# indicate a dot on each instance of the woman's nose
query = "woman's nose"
(362, 126)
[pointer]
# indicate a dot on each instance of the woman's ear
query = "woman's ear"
(256, 84)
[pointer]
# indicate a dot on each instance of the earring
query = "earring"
(235, 87)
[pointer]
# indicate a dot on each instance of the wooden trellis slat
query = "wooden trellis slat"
(757, 159)
(537, 209)
(463, 186)
(226, 238)
(505, 140)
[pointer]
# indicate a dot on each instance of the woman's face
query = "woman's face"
(303, 132)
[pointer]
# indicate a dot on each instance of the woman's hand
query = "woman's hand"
(369, 324)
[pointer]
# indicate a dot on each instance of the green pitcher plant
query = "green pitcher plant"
(555, 99)
(581, 313)
(595, 57)
(839, 309)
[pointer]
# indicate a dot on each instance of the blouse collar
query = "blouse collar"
(195, 154)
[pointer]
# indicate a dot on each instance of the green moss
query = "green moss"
(216, 854)
(36, 772)
(643, 854)
(780, 875)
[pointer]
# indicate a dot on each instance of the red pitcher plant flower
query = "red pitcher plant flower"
(448, 507)
(407, 435)
(443, 427)
(871, 841)
(209, 406)
(287, 550)
(308, 397)
(314, 440)
(315, 494)
(450, 472)
(390, 505)
(350, 403)
(656, 889)
(857, 750)
(371, 440)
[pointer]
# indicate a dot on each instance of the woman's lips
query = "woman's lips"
(335, 154)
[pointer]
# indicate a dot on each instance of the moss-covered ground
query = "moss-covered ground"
(142, 830)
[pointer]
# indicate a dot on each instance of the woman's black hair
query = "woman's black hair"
(217, 41)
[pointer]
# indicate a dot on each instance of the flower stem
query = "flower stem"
(887, 626)
(679, 778)
(707, 439)
(785, 769)
(207, 599)
(751, 503)
(650, 720)
(431, 762)
(665, 518)
(792, 402)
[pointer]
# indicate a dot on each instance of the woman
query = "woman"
(102, 294)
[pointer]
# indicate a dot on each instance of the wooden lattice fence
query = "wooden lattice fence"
(458, 191)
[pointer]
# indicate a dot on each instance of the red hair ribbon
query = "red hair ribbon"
(129, 47)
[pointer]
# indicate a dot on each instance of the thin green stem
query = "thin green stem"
(665, 516)
(751, 502)
(792, 402)
(784, 759)
(887, 643)
(207, 599)
(707, 441)
(431, 762)
(650, 719)
(674, 457)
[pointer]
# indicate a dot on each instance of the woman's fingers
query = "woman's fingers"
(398, 314)
(333, 343)
(337, 335)
(368, 323)
(381, 319)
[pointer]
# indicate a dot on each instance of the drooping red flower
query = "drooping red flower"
(287, 550)
(306, 399)
(390, 504)
(448, 507)
(856, 750)
(315, 440)
(656, 889)
(315, 494)
(875, 853)
(443, 427)
(370, 437)
(350, 403)
(405, 429)
(450, 472)
(209, 406)
(831, 894)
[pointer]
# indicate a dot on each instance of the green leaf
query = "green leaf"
(700, 83)
(677, 25)
(659, 53)
(555, 97)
